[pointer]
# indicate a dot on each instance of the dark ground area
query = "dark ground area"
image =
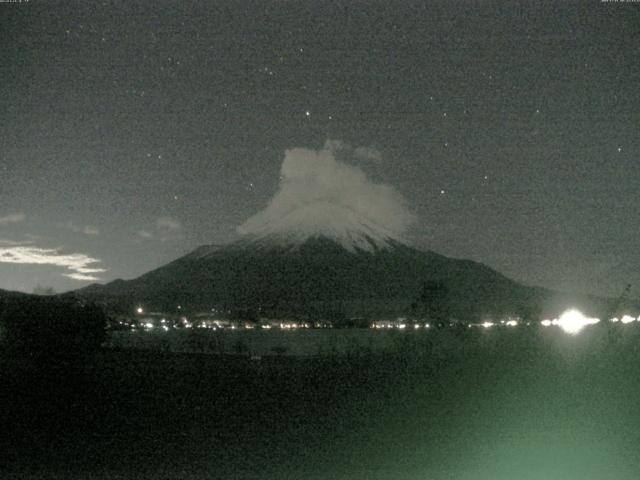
(500, 404)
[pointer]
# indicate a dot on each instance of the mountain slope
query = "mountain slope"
(320, 277)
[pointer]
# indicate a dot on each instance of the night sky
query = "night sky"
(132, 132)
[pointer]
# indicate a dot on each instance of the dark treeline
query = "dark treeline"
(46, 348)
(41, 330)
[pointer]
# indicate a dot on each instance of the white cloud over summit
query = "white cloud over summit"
(322, 195)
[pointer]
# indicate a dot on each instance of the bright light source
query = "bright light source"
(165, 328)
(572, 321)
(627, 319)
(512, 323)
(416, 326)
(545, 323)
(487, 324)
(140, 310)
(148, 325)
(401, 326)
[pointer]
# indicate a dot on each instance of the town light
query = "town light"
(573, 321)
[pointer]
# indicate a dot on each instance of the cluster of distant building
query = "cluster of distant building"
(403, 323)
(149, 321)
(571, 321)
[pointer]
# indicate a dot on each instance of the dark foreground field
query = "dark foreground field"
(499, 404)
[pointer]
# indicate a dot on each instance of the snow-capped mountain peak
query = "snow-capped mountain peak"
(325, 220)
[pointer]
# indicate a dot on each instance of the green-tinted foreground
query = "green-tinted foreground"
(497, 404)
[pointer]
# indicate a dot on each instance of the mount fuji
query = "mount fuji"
(353, 269)
(330, 244)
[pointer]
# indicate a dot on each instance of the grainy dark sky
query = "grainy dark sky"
(132, 132)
